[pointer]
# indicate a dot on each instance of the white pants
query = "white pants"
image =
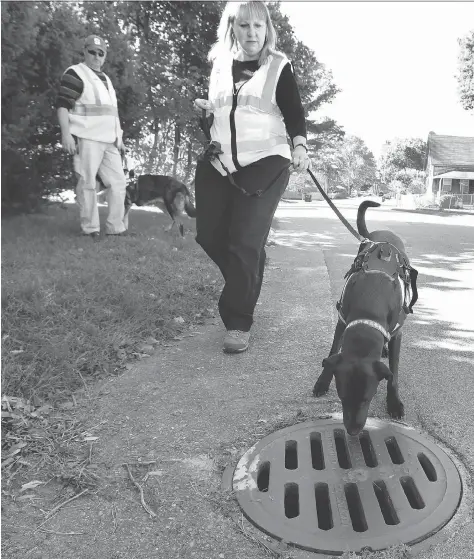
(103, 159)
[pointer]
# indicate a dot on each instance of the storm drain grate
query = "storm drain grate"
(317, 488)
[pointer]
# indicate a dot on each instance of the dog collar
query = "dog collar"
(372, 324)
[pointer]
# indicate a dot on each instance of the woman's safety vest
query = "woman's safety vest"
(95, 114)
(248, 124)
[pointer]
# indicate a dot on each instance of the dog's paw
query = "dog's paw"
(395, 408)
(320, 389)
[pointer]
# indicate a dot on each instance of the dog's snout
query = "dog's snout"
(353, 424)
(353, 431)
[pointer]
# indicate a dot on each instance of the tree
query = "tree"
(465, 75)
(52, 33)
(403, 161)
(31, 166)
(315, 81)
(348, 163)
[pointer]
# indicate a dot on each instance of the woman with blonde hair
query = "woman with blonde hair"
(254, 104)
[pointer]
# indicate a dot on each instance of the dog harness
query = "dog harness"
(384, 258)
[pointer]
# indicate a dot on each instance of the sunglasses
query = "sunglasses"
(96, 53)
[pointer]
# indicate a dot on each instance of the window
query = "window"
(446, 185)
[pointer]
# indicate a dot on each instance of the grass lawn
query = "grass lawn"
(75, 309)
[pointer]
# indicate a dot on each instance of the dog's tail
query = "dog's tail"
(189, 207)
(361, 226)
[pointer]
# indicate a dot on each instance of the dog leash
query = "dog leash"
(213, 150)
(336, 211)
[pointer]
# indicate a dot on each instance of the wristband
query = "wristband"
(302, 145)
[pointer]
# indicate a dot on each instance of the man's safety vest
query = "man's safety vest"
(248, 123)
(95, 114)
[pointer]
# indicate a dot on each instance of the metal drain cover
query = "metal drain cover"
(319, 489)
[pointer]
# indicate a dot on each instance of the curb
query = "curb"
(443, 213)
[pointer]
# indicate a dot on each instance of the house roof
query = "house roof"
(450, 150)
(456, 175)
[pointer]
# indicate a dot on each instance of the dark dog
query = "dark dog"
(169, 194)
(372, 309)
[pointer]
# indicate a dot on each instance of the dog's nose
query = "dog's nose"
(353, 431)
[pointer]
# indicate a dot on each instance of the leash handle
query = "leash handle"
(336, 211)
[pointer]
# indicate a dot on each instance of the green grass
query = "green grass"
(75, 310)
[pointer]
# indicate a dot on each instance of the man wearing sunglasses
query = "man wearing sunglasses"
(91, 132)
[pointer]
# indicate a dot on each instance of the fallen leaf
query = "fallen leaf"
(44, 409)
(146, 349)
(179, 319)
(7, 462)
(15, 449)
(30, 485)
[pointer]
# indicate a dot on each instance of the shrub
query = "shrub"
(448, 201)
(339, 193)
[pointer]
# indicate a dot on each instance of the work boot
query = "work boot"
(236, 341)
(95, 235)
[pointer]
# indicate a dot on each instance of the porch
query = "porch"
(460, 184)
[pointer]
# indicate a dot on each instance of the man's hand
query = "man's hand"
(68, 143)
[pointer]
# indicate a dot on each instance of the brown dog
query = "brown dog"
(169, 194)
(372, 309)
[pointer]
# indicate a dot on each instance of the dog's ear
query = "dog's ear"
(382, 371)
(332, 361)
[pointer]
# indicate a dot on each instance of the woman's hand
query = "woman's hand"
(301, 161)
(200, 104)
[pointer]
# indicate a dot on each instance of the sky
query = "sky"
(395, 63)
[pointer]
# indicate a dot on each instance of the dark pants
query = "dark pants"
(233, 228)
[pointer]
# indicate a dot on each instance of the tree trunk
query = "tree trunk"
(189, 163)
(177, 141)
(154, 149)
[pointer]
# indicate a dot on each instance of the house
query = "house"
(449, 167)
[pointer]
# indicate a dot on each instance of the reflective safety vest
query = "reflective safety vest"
(248, 123)
(95, 114)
